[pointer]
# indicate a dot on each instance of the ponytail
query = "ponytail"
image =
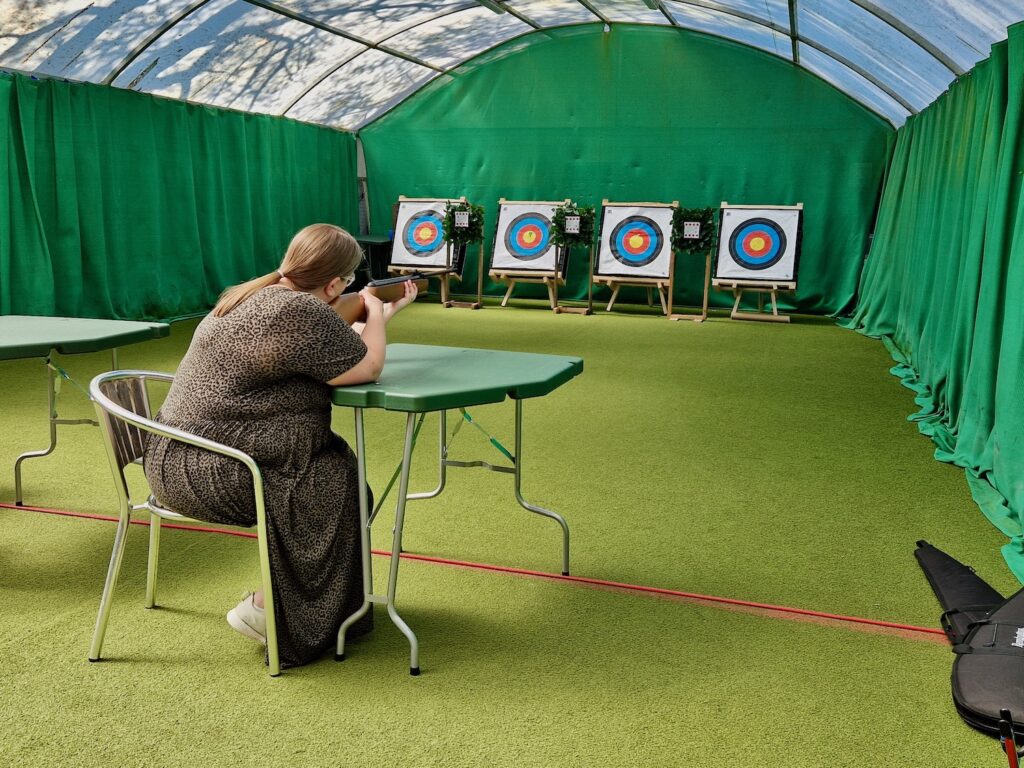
(236, 294)
(316, 255)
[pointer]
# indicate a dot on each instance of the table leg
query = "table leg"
(531, 507)
(396, 544)
(52, 400)
(396, 547)
(54, 421)
(364, 537)
(442, 453)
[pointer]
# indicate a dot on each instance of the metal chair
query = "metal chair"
(122, 407)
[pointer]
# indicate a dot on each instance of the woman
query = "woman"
(257, 376)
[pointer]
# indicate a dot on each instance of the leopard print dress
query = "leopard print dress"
(255, 380)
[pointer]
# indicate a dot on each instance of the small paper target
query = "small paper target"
(424, 233)
(691, 230)
(572, 225)
(462, 219)
(528, 237)
(757, 243)
(636, 241)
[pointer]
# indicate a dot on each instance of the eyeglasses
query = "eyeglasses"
(349, 280)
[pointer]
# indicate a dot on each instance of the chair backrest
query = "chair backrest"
(126, 440)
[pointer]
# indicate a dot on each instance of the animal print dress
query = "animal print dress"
(255, 380)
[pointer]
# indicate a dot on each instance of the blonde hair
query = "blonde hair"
(316, 255)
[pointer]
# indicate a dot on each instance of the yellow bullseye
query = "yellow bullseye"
(757, 243)
(529, 237)
(636, 242)
(424, 234)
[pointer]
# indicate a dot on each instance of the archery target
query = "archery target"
(635, 242)
(419, 234)
(523, 238)
(758, 244)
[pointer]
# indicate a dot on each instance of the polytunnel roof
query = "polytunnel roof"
(342, 63)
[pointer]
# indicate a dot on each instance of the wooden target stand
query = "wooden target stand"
(697, 317)
(589, 309)
(738, 287)
(550, 279)
(663, 285)
(446, 299)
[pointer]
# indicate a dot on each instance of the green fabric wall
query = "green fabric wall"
(944, 280)
(642, 113)
(121, 205)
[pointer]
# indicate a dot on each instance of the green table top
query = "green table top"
(419, 378)
(28, 336)
(374, 238)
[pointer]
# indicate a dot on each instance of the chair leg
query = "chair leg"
(154, 559)
(108, 588)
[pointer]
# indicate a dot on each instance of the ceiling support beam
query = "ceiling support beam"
(155, 35)
(794, 32)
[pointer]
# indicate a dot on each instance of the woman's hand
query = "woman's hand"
(373, 305)
(392, 308)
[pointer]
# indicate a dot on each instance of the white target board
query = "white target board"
(419, 235)
(522, 240)
(636, 241)
(759, 243)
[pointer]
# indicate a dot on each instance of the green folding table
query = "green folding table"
(23, 336)
(417, 380)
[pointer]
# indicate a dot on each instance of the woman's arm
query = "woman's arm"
(368, 369)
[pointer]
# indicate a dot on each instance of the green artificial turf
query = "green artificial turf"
(755, 461)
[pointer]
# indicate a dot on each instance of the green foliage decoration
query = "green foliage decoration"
(706, 218)
(564, 239)
(474, 233)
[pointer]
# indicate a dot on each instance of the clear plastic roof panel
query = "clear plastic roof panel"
(78, 39)
(375, 20)
(360, 90)
(766, 11)
(733, 27)
(552, 13)
(876, 47)
(455, 37)
(962, 29)
(848, 81)
(230, 53)
(342, 62)
(632, 11)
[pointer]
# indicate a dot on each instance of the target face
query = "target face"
(522, 240)
(419, 234)
(528, 237)
(759, 243)
(635, 242)
(424, 233)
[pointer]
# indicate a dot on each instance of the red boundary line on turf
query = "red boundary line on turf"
(527, 572)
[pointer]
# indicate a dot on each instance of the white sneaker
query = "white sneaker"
(249, 620)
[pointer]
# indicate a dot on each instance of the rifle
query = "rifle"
(350, 305)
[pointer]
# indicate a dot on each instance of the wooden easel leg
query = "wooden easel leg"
(775, 305)
(508, 293)
(444, 291)
(650, 299)
(738, 293)
(552, 297)
(661, 297)
(611, 302)
(707, 282)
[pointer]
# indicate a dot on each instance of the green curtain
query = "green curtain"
(944, 280)
(642, 113)
(121, 205)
